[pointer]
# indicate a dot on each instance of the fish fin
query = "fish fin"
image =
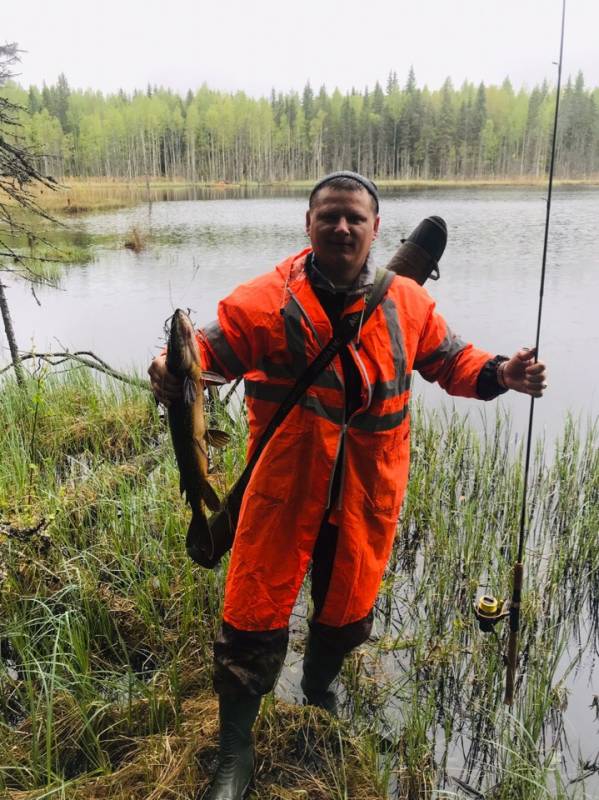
(217, 438)
(209, 496)
(213, 377)
(190, 391)
(200, 445)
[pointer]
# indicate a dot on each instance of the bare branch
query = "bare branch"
(86, 358)
(18, 172)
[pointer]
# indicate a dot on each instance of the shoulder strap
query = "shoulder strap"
(342, 335)
(382, 281)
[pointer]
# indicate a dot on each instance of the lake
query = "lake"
(489, 287)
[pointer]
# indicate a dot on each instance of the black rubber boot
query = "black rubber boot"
(321, 667)
(236, 756)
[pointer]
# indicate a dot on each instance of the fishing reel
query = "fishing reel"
(488, 610)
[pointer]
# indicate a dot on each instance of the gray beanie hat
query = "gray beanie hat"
(369, 185)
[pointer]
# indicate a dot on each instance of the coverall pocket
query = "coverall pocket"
(387, 478)
(275, 475)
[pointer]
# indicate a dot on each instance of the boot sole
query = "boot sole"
(244, 792)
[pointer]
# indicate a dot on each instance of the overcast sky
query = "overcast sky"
(254, 46)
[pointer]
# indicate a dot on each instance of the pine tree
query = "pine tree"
(18, 172)
(445, 134)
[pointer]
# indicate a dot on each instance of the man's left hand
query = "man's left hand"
(523, 374)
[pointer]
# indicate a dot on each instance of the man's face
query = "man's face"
(342, 226)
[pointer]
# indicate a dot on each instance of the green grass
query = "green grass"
(106, 628)
(47, 249)
(44, 249)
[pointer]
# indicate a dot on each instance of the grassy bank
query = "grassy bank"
(78, 196)
(106, 627)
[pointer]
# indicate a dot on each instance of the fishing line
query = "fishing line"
(488, 610)
(542, 287)
(514, 611)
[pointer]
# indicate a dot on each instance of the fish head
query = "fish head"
(183, 354)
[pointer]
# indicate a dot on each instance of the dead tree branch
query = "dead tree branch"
(85, 358)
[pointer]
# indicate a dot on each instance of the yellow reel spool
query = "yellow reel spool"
(488, 606)
(489, 611)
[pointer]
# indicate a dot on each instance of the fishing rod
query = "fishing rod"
(488, 610)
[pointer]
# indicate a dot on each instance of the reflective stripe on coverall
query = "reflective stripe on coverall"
(269, 330)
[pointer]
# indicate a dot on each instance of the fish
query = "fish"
(189, 434)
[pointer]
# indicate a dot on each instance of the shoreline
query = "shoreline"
(82, 195)
(390, 183)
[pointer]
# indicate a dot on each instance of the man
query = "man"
(327, 489)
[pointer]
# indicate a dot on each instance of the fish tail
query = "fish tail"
(209, 496)
(198, 542)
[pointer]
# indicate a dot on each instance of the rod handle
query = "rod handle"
(512, 646)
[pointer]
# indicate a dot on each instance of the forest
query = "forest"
(399, 132)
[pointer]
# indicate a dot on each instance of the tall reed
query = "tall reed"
(106, 627)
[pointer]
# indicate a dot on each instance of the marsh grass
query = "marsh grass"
(135, 240)
(47, 248)
(74, 198)
(106, 628)
(457, 539)
(50, 248)
(77, 196)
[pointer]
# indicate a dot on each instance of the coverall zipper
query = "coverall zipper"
(344, 428)
(345, 423)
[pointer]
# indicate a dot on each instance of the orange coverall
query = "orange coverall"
(269, 330)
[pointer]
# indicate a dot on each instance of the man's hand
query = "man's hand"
(522, 374)
(166, 386)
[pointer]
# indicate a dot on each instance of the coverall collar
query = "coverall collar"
(359, 287)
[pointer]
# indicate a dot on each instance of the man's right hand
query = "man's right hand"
(166, 386)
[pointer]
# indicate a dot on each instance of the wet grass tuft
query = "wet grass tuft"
(135, 240)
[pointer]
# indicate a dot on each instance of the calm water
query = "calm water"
(488, 290)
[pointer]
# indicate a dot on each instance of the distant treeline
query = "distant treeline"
(401, 132)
